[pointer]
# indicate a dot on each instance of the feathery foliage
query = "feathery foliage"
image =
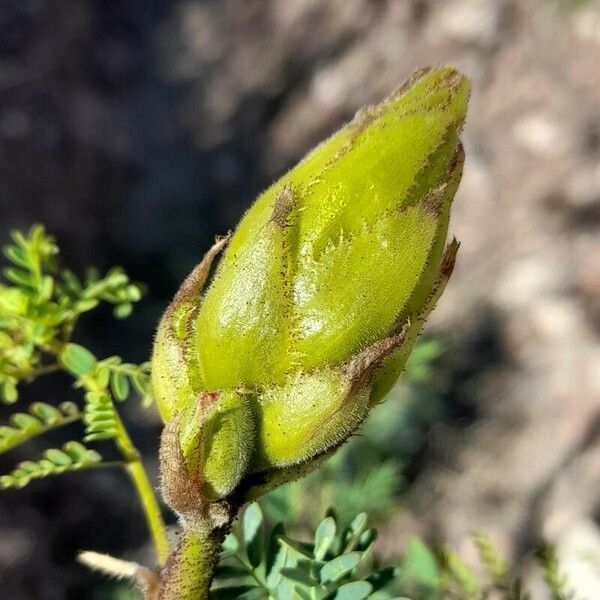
(73, 456)
(339, 563)
(40, 418)
(104, 381)
(40, 305)
(261, 562)
(38, 313)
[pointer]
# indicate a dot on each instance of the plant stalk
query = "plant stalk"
(151, 509)
(189, 571)
(141, 482)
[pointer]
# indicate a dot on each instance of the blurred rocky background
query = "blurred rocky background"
(138, 130)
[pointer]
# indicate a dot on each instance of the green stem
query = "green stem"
(252, 572)
(151, 510)
(135, 468)
(141, 481)
(189, 571)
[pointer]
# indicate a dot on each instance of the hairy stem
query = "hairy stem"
(189, 571)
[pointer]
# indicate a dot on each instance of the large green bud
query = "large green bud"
(318, 298)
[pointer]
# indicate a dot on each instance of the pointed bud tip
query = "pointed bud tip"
(441, 88)
(427, 89)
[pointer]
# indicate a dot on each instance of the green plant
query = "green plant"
(307, 323)
(555, 580)
(264, 562)
(258, 560)
(40, 305)
(310, 317)
(338, 562)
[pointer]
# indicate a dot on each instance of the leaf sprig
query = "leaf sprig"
(114, 288)
(40, 306)
(263, 563)
(104, 381)
(38, 313)
(73, 456)
(337, 564)
(40, 418)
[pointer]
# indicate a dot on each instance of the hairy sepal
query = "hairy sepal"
(314, 413)
(217, 441)
(176, 378)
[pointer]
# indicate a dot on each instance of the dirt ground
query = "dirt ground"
(116, 119)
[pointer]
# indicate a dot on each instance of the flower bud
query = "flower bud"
(319, 297)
